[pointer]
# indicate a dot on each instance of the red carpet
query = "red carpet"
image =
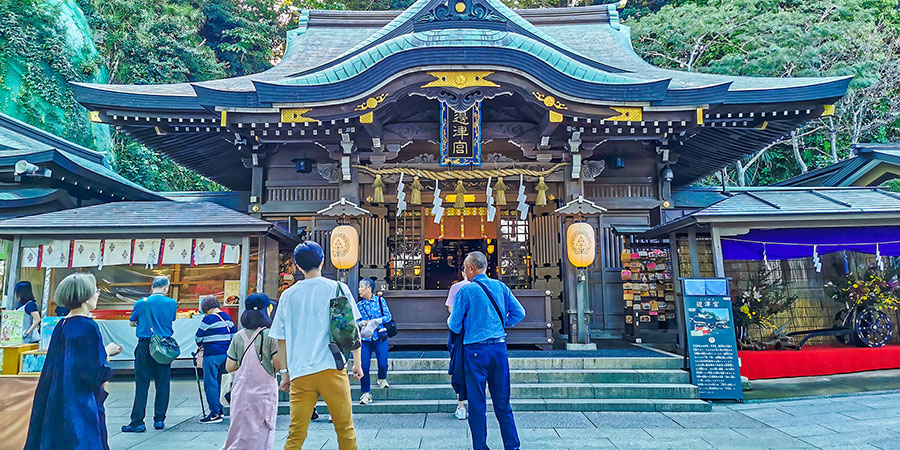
(817, 360)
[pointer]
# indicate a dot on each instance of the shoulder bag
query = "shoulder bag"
(390, 326)
(164, 350)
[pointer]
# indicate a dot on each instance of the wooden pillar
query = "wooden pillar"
(679, 299)
(571, 190)
(12, 270)
(718, 260)
(350, 191)
(245, 273)
(256, 184)
(268, 265)
(695, 255)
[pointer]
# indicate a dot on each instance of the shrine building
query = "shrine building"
(462, 125)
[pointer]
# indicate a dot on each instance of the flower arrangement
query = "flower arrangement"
(872, 289)
(765, 297)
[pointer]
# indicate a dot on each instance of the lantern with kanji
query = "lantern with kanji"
(344, 247)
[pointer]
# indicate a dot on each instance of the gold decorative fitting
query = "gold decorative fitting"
(555, 117)
(296, 115)
(460, 80)
(699, 116)
(549, 100)
(224, 120)
(621, 4)
(367, 117)
(95, 116)
(627, 114)
(828, 111)
(763, 125)
(460, 7)
(371, 102)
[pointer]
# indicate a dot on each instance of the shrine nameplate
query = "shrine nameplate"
(461, 136)
(711, 342)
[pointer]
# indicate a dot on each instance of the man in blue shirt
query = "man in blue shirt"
(482, 310)
(152, 315)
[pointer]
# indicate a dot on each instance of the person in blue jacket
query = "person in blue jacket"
(68, 411)
(373, 307)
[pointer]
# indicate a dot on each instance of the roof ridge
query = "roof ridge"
(45, 137)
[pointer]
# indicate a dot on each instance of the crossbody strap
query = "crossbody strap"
(250, 344)
(493, 302)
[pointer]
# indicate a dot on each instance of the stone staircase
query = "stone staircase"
(422, 385)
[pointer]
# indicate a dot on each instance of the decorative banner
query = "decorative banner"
(232, 254)
(86, 253)
(401, 197)
(145, 252)
(711, 342)
(523, 207)
(116, 252)
(489, 195)
(56, 254)
(177, 251)
(461, 136)
(437, 210)
(31, 256)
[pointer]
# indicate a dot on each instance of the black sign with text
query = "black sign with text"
(461, 136)
(712, 346)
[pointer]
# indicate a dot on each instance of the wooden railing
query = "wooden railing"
(619, 190)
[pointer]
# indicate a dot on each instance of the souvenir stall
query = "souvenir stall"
(814, 275)
(203, 248)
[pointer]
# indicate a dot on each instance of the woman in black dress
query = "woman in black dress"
(68, 403)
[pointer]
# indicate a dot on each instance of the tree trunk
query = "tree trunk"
(832, 130)
(795, 143)
(741, 170)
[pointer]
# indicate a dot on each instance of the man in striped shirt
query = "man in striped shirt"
(214, 337)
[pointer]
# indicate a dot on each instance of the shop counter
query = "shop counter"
(121, 332)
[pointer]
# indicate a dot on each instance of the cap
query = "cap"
(257, 302)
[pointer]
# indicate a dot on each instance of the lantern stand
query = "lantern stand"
(581, 250)
(344, 246)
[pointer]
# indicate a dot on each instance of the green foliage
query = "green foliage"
(791, 38)
(153, 171)
(36, 62)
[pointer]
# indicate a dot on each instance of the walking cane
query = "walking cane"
(197, 376)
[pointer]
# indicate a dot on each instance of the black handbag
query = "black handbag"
(390, 326)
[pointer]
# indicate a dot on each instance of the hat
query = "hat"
(257, 302)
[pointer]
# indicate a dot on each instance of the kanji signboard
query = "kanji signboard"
(461, 136)
(712, 345)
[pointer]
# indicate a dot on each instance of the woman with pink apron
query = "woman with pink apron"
(254, 390)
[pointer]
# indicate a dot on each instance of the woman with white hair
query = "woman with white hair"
(68, 403)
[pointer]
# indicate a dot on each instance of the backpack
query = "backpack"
(344, 332)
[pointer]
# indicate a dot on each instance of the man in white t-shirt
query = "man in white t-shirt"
(302, 327)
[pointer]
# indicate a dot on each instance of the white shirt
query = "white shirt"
(303, 320)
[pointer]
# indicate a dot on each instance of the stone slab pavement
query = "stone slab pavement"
(867, 421)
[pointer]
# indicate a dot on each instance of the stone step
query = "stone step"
(549, 376)
(663, 362)
(543, 391)
(572, 405)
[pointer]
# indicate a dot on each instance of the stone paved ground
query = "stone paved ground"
(869, 421)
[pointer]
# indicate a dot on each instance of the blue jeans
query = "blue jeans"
(489, 363)
(213, 368)
(381, 353)
(145, 369)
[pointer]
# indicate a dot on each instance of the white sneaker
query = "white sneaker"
(383, 384)
(365, 399)
(461, 413)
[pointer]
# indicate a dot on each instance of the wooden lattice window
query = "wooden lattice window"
(515, 251)
(405, 243)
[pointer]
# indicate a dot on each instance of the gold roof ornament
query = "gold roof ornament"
(461, 79)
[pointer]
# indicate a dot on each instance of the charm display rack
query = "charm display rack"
(648, 291)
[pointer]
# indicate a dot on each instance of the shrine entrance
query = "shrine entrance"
(444, 260)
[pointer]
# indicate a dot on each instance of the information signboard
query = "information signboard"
(712, 346)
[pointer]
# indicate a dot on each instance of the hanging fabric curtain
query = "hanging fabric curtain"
(794, 243)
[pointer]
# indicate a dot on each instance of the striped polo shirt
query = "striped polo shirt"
(215, 333)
